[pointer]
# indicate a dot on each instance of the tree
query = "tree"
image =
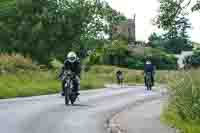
(176, 46)
(193, 60)
(156, 41)
(169, 11)
(173, 19)
(153, 37)
(113, 18)
(196, 7)
(47, 28)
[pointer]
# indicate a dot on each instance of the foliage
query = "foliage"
(28, 83)
(112, 54)
(193, 60)
(45, 29)
(15, 62)
(161, 59)
(173, 18)
(196, 7)
(170, 14)
(106, 75)
(177, 45)
(136, 62)
(56, 64)
(31, 83)
(116, 53)
(182, 111)
(156, 41)
(113, 18)
(90, 44)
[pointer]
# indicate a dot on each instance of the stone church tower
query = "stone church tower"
(127, 29)
(131, 31)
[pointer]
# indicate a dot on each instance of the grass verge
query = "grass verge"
(29, 83)
(183, 108)
(36, 82)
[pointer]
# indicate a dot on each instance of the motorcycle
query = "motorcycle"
(120, 79)
(70, 95)
(149, 82)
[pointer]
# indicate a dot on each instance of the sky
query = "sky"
(145, 11)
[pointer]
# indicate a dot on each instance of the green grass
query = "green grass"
(36, 82)
(183, 109)
(98, 76)
(185, 126)
(28, 83)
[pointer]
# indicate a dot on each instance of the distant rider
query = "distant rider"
(119, 76)
(149, 67)
(72, 62)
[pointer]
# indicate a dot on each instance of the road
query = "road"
(142, 118)
(48, 114)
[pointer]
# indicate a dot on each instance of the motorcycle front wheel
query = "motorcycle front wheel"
(73, 98)
(66, 96)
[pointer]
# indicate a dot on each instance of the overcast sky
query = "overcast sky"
(146, 10)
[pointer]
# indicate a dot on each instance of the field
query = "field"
(39, 82)
(20, 77)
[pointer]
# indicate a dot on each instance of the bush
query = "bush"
(113, 54)
(183, 109)
(136, 62)
(15, 62)
(193, 60)
(119, 55)
(116, 54)
(55, 64)
(156, 41)
(161, 59)
(177, 46)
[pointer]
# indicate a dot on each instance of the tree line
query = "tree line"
(173, 18)
(45, 29)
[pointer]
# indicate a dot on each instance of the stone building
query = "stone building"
(127, 29)
(131, 31)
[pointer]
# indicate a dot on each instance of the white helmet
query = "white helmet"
(148, 62)
(71, 57)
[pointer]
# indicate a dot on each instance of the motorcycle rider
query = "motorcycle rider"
(149, 67)
(119, 76)
(72, 62)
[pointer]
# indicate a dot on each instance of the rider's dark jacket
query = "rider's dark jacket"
(119, 74)
(74, 67)
(149, 68)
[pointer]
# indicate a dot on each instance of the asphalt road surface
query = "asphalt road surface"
(90, 114)
(142, 118)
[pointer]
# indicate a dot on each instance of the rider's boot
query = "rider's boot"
(62, 93)
(77, 93)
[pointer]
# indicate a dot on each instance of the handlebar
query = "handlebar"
(66, 74)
